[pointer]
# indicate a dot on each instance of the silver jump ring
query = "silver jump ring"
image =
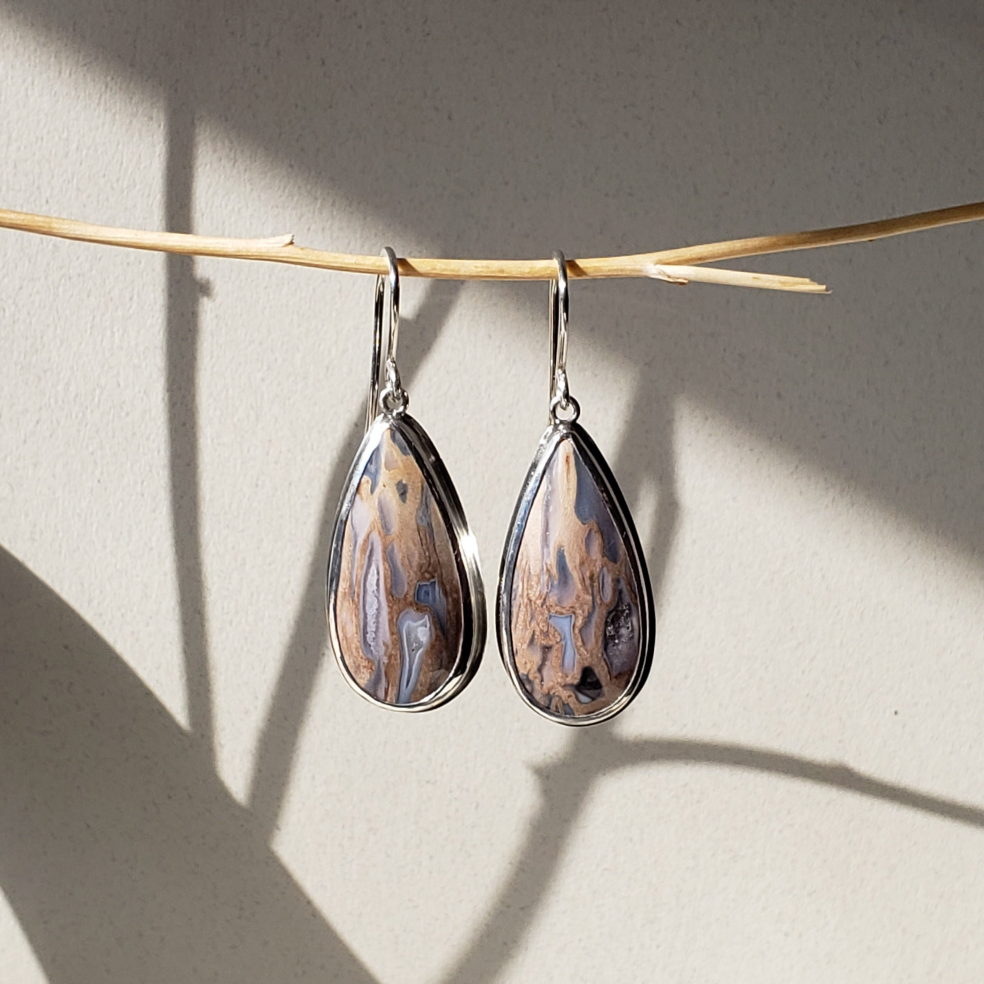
(564, 409)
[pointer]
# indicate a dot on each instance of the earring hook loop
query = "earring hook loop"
(392, 397)
(561, 401)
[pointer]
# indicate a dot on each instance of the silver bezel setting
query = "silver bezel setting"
(608, 486)
(463, 545)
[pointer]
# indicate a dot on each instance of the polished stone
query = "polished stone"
(398, 608)
(575, 610)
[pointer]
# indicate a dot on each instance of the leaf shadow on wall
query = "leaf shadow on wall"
(121, 851)
(126, 859)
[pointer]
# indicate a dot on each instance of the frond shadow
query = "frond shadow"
(122, 853)
(590, 756)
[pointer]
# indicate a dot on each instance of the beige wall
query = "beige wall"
(189, 791)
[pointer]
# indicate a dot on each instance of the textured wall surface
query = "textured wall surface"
(188, 789)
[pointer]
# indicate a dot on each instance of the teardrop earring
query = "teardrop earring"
(406, 608)
(575, 616)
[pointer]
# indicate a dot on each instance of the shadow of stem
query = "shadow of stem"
(277, 743)
(566, 783)
(181, 345)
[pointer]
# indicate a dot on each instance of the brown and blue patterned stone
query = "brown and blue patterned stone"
(398, 608)
(575, 615)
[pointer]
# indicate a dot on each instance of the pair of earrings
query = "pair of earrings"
(406, 606)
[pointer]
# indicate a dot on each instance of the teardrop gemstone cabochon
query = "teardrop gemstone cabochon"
(575, 610)
(406, 609)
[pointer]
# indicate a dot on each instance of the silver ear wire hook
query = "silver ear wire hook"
(392, 397)
(560, 397)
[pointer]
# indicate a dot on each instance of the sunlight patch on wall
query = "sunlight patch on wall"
(16, 955)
